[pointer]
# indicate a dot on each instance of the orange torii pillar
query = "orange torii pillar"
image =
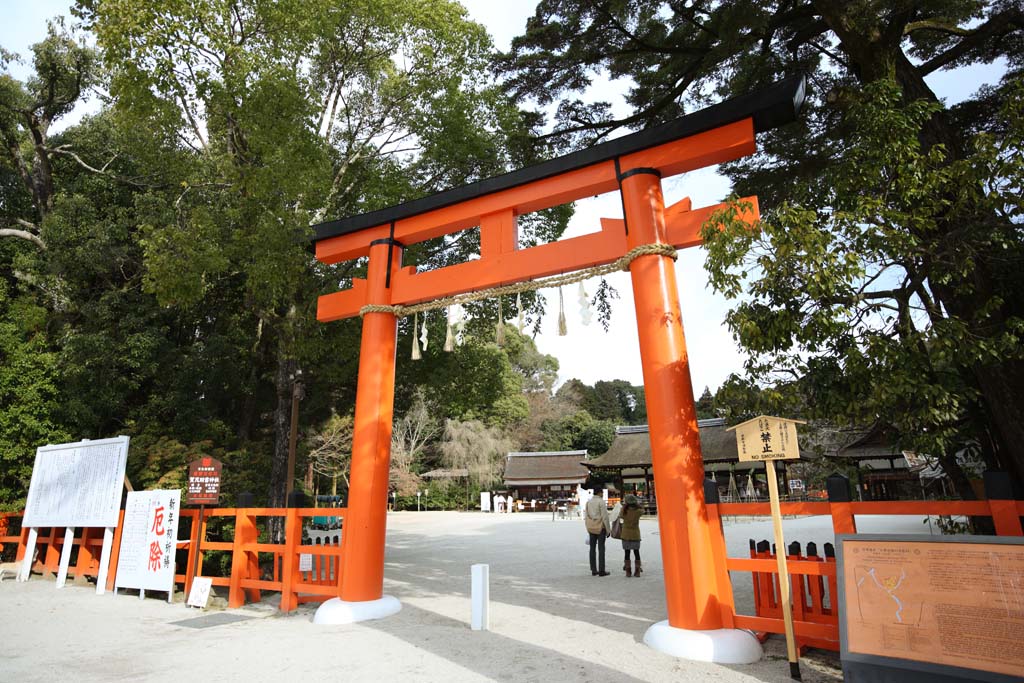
(694, 626)
(698, 599)
(362, 566)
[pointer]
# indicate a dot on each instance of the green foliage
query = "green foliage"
(579, 431)
(29, 394)
(616, 400)
(846, 299)
(706, 405)
(476, 381)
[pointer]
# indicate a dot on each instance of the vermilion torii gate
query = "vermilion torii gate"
(634, 165)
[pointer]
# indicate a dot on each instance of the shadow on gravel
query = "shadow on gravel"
(451, 640)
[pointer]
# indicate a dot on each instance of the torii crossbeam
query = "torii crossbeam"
(634, 165)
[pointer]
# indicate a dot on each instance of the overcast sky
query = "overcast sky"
(588, 353)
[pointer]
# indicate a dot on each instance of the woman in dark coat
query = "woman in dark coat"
(630, 516)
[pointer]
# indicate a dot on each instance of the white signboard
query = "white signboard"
(767, 438)
(485, 501)
(148, 541)
(200, 592)
(77, 484)
(796, 484)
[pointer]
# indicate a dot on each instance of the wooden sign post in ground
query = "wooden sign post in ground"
(770, 439)
(203, 490)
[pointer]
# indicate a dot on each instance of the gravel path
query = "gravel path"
(550, 620)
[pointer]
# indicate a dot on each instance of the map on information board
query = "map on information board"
(77, 484)
(948, 603)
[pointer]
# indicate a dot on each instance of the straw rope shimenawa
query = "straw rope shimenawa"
(621, 263)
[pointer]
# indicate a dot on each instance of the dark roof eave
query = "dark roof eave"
(770, 107)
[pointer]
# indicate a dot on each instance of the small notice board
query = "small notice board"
(767, 438)
(148, 541)
(204, 481)
(916, 608)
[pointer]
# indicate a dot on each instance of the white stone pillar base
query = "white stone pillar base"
(721, 646)
(338, 611)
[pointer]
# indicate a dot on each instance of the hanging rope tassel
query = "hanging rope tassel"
(562, 328)
(499, 332)
(415, 341)
(449, 339)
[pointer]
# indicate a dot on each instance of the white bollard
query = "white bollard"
(480, 596)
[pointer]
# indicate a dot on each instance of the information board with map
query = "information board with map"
(77, 484)
(935, 606)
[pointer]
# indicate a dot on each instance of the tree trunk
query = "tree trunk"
(1004, 406)
(283, 379)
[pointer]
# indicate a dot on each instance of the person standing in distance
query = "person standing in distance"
(598, 526)
(630, 516)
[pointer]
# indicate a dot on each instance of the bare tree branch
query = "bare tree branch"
(25, 235)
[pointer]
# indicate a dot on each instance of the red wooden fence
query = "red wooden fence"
(816, 622)
(244, 580)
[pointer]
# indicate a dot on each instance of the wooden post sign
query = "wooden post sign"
(204, 481)
(769, 439)
(203, 490)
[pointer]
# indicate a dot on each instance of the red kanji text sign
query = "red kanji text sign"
(204, 482)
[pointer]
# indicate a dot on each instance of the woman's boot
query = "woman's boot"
(638, 568)
(628, 568)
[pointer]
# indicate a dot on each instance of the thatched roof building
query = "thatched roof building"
(546, 473)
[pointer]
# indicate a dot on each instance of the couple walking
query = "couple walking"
(599, 526)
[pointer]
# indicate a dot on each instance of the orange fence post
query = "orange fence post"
(22, 544)
(239, 564)
(85, 557)
(371, 443)
(193, 548)
(833, 582)
(51, 560)
(691, 588)
(843, 521)
(1002, 503)
(290, 565)
(815, 583)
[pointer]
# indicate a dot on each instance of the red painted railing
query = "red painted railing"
(244, 579)
(815, 617)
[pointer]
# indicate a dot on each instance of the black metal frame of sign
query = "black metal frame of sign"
(867, 668)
